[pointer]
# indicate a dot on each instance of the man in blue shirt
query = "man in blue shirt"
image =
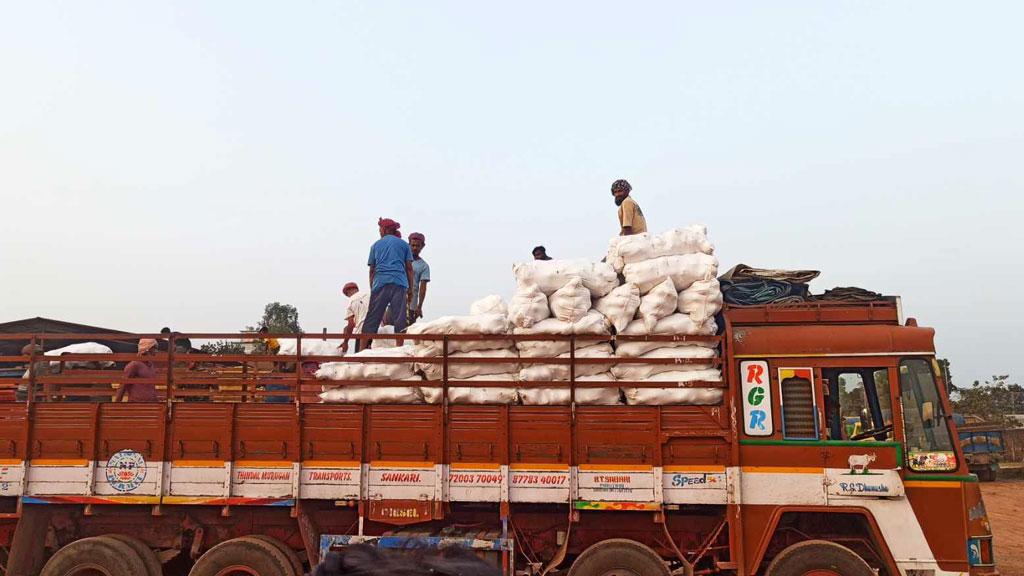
(391, 278)
(421, 275)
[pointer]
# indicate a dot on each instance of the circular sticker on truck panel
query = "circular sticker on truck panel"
(126, 470)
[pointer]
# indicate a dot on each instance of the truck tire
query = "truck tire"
(153, 566)
(92, 556)
(244, 556)
(820, 558)
(618, 557)
(293, 558)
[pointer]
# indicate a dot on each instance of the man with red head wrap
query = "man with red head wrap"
(391, 278)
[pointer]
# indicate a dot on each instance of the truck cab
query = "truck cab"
(854, 400)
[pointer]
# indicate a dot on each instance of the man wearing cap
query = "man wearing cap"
(541, 253)
(391, 278)
(631, 217)
(420, 276)
(137, 370)
(355, 314)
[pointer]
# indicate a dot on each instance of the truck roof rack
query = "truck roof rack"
(883, 311)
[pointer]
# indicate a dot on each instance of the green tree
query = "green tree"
(222, 347)
(992, 401)
(947, 375)
(279, 319)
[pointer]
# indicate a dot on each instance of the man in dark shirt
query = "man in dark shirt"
(541, 253)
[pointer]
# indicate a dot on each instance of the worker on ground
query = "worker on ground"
(420, 276)
(631, 217)
(355, 314)
(541, 253)
(137, 370)
(391, 278)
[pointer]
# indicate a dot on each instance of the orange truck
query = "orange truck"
(769, 479)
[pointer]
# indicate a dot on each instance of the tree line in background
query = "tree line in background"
(993, 401)
(277, 318)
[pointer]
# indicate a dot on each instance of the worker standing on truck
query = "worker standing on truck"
(142, 368)
(420, 275)
(391, 278)
(541, 253)
(631, 217)
(42, 368)
(355, 314)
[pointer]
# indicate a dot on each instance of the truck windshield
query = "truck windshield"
(929, 444)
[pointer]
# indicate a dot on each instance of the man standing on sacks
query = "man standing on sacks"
(391, 279)
(631, 217)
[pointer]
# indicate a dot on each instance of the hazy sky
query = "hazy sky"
(184, 164)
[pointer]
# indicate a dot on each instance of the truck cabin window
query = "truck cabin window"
(857, 404)
(929, 444)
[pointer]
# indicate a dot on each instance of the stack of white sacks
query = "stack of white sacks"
(670, 288)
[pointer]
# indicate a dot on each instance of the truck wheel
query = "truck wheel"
(293, 558)
(243, 557)
(153, 566)
(98, 556)
(618, 557)
(818, 558)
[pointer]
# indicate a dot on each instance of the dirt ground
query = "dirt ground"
(1004, 501)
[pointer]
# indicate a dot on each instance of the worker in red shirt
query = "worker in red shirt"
(140, 369)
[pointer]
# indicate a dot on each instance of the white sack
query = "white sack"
(487, 324)
(674, 325)
(637, 372)
(671, 396)
(637, 349)
(81, 348)
(571, 302)
(528, 306)
(550, 275)
(660, 396)
(624, 250)
(554, 372)
(620, 305)
(457, 370)
(373, 395)
(594, 323)
(683, 270)
(659, 303)
(379, 343)
(492, 304)
(561, 396)
(462, 395)
(473, 395)
(702, 300)
(370, 370)
(310, 347)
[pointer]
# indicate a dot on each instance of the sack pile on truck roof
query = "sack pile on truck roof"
(661, 284)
